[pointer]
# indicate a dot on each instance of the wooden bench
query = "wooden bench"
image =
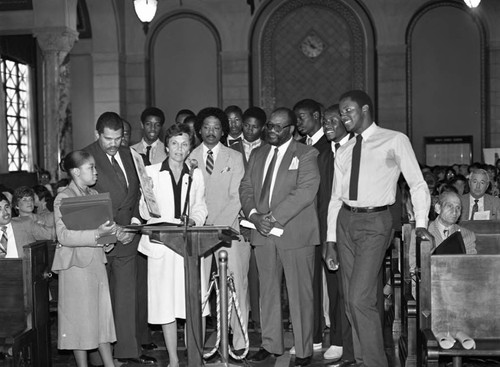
(457, 293)
(24, 312)
(487, 235)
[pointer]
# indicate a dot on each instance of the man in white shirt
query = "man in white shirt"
(234, 117)
(367, 169)
(150, 147)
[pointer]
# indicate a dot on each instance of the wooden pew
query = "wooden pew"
(487, 235)
(24, 307)
(457, 293)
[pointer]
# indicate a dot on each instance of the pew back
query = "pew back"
(487, 235)
(465, 294)
(12, 307)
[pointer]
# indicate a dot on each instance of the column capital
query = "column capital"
(58, 40)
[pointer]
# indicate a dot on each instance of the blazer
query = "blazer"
(326, 165)
(27, 231)
(293, 200)
(77, 248)
(221, 187)
(157, 154)
(125, 201)
(164, 194)
(491, 203)
(240, 148)
(322, 144)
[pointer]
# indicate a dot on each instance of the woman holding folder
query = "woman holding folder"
(170, 180)
(85, 317)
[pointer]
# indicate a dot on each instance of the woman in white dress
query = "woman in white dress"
(166, 297)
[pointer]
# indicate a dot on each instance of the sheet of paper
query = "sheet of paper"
(275, 231)
(147, 188)
(485, 215)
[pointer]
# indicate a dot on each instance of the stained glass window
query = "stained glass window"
(15, 82)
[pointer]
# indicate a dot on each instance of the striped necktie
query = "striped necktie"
(475, 208)
(3, 242)
(210, 162)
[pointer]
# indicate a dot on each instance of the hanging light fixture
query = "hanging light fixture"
(145, 10)
(472, 3)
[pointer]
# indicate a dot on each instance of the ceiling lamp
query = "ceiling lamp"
(146, 10)
(472, 3)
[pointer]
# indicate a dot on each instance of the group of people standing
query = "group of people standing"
(316, 204)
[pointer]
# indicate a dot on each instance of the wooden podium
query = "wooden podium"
(192, 243)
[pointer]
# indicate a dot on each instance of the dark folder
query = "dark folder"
(88, 212)
(453, 245)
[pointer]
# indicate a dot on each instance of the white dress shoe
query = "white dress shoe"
(334, 352)
(316, 347)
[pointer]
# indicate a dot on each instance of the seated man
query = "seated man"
(478, 204)
(18, 232)
(448, 209)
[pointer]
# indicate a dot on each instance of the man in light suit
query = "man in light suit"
(18, 232)
(477, 201)
(150, 147)
(117, 176)
(223, 170)
(278, 192)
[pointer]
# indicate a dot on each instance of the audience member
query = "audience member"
(18, 232)
(460, 183)
(234, 116)
(117, 176)
(340, 343)
(23, 202)
(127, 132)
(166, 288)
(181, 116)
(477, 204)
(191, 122)
(150, 147)
(44, 179)
(359, 222)
(223, 169)
(278, 192)
(85, 316)
(308, 114)
(44, 206)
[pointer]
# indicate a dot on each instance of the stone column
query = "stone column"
(55, 44)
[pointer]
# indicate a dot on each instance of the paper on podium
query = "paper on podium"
(275, 231)
(88, 212)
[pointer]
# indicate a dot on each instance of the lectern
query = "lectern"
(192, 243)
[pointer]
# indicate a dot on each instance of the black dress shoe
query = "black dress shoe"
(143, 359)
(343, 363)
(150, 346)
(260, 356)
(302, 361)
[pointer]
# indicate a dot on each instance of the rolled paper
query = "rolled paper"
(445, 340)
(466, 341)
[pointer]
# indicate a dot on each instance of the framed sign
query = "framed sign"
(448, 150)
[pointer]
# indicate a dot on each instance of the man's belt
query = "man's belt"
(369, 209)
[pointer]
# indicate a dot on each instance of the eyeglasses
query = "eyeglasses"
(276, 128)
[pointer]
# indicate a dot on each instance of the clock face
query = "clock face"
(312, 46)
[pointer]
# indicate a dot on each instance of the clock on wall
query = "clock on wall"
(312, 46)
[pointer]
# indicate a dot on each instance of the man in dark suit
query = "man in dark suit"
(308, 113)
(477, 204)
(117, 175)
(340, 347)
(254, 119)
(277, 194)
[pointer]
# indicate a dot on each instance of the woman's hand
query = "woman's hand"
(106, 229)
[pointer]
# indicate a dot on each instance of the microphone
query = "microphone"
(193, 164)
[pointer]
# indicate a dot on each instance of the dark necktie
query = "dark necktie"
(3, 242)
(265, 194)
(148, 154)
(356, 160)
(475, 208)
(337, 146)
(446, 232)
(119, 172)
(210, 162)
(233, 141)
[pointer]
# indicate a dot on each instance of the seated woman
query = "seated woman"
(23, 202)
(166, 298)
(44, 204)
(85, 317)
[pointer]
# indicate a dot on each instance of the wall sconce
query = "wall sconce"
(472, 3)
(145, 10)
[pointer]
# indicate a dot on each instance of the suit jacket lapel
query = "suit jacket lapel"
(283, 169)
(259, 179)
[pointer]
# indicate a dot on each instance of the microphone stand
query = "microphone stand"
(185, 214)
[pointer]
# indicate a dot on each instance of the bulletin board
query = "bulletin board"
(448, 150)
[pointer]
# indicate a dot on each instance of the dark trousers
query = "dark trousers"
(253, 288)
(143, 333)
(340, 328)
(362, 240)
(319, 320)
